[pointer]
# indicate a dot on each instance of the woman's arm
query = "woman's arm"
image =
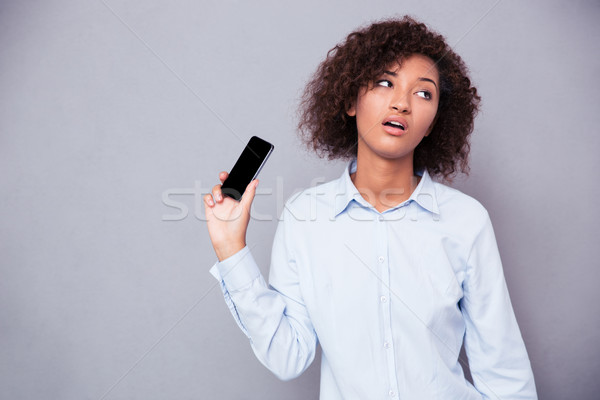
(497, 356)
(275, 321)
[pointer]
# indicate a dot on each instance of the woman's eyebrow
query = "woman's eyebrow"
(392, 73)
(428, 80)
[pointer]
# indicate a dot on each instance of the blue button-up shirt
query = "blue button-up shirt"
(390, 297)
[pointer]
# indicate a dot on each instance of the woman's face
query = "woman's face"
(398, 109)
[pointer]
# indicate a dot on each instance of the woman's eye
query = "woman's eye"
(424, 94)
(384, 82)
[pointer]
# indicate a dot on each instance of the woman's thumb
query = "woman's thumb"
(248, 195)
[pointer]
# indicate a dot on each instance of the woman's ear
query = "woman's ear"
(351, 111)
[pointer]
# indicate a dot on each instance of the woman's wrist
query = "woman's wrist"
(228, 250)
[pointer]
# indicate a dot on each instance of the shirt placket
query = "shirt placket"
(385, 304)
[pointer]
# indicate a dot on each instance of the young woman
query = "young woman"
(389, 270)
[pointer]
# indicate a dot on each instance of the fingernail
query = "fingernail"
(218, 197)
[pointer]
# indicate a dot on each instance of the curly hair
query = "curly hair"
(358, 61)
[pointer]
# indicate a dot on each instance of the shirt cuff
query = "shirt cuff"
(237, 271)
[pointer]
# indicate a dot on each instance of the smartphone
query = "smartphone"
(247, 167)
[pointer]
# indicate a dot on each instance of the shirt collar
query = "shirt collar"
(424, 194)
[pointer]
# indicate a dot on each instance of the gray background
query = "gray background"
(108, 106)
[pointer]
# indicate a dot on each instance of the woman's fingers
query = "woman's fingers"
(216, 193)
(217, 196)
(223, 175)
(208, 200)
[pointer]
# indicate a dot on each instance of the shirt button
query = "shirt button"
(392, 393)
(381, 259)
(386, 345)
(381, 218)
(383, 299)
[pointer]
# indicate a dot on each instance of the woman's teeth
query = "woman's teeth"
(395, 124)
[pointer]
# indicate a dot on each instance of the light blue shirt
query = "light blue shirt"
(389, 296)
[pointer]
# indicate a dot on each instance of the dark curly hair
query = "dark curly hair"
(326, 127)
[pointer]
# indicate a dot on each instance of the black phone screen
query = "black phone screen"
(246, 167)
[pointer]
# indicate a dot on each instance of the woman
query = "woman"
(386, 268)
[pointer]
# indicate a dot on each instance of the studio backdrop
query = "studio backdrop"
(117, 115)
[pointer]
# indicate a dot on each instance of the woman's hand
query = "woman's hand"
(227, 219)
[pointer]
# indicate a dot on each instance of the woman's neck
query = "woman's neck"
(385, 183)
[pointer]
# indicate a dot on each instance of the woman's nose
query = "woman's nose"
(401, 102)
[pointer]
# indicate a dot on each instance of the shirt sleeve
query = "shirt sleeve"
(275, 320)
(497, 356)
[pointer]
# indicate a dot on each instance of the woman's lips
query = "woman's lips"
(394, 125)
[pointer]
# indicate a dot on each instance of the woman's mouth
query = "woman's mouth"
(395, 125)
